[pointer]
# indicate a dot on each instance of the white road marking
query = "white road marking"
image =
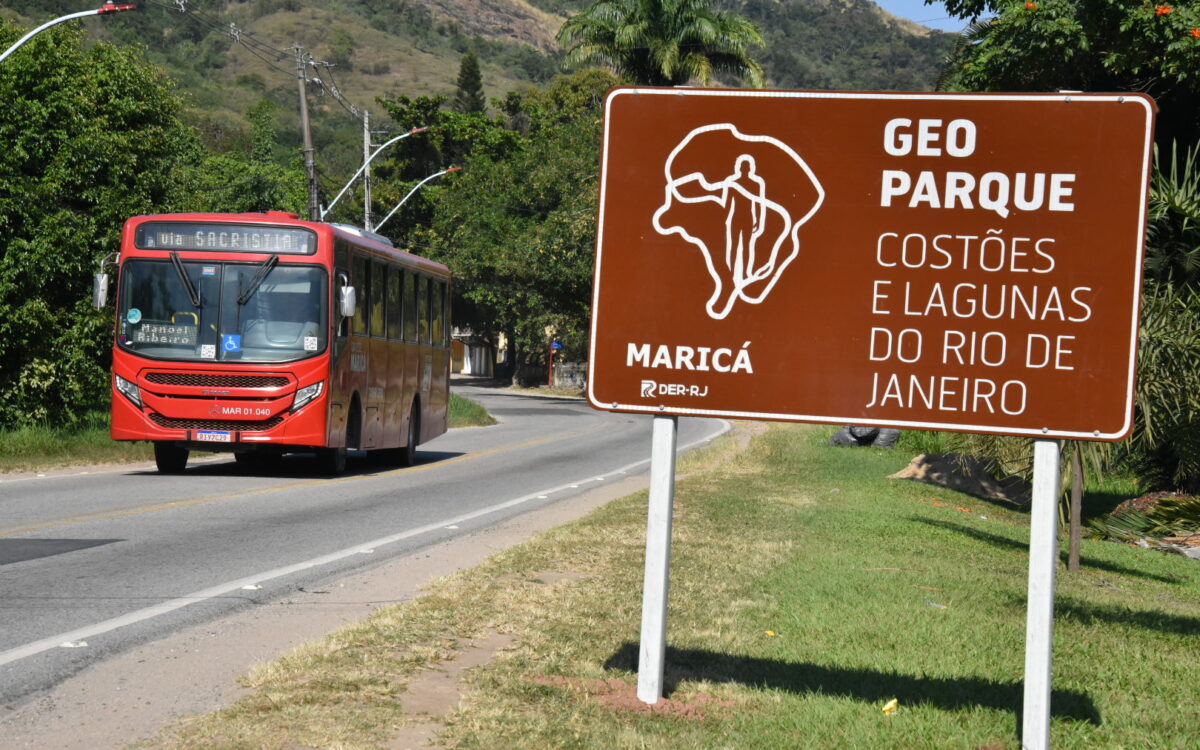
(106, 626)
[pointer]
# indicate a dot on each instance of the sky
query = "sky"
(933, 16)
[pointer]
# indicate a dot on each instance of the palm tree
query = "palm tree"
(663, 42)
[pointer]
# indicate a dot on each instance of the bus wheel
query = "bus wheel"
(331, 460)
(408, 456)
(170, 458)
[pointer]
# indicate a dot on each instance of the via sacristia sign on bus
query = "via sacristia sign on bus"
(964, 262)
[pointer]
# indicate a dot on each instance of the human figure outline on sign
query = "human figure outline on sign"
(745, 269)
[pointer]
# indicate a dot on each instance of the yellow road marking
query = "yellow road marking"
(141, 509)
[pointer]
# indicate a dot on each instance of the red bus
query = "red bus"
(263, 334)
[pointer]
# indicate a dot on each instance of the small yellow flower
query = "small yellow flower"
(771, 633)
(892, 706)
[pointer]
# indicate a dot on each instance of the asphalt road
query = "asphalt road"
(116, 558)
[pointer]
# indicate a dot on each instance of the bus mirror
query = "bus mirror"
(348, 302)
(100, 291)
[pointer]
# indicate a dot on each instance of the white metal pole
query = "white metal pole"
(652, 654)
(363, 168)
(416, 187)
(1039, 627)
(366, 170)
(102, 10)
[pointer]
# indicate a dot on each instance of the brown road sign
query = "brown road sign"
(945, 261)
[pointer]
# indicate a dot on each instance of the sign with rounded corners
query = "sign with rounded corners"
(966, 262)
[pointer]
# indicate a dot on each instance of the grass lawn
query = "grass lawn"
(807, 591)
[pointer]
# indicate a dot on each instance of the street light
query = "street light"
(410, 193)
(108, 7)
(325, 211)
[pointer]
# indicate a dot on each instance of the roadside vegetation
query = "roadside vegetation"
(808, 591)
(466, 413)
(35, 447)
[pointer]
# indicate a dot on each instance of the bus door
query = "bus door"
(394, 424)
(354, 375)
(412, 349)
(375, 397)
(439, 335)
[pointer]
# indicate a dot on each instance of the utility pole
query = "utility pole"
(367, 173)
(310, 165)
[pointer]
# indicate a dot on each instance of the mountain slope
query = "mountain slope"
(229, 55)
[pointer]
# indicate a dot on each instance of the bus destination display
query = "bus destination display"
(164, 333)
(224, 237)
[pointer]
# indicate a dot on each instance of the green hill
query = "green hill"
(229, 55)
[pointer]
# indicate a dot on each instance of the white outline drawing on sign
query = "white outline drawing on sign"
(743, 194)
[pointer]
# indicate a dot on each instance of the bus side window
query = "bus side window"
(377, 300)
(439, 311)
(393, 303)
(410, 306)
(360, 280)
(423, 309)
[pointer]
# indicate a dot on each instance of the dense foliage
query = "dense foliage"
(664, 42)
(90, 138)
(518, 225)
(1087, 45)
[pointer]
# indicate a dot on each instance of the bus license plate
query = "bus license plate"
(214, 436)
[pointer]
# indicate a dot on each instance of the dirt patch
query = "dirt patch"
(618, 695)
(551, 577)
(1145, 503)
(438, 691)
(966, 474)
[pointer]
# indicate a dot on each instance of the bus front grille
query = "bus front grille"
(214, 424)
(216, 380)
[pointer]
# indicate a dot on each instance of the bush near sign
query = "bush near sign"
(942, 261)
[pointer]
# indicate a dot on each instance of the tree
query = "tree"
(663, 42)
(517, 228)
(469, 95)
(255, 181)
(92, 135)
(1087, 45)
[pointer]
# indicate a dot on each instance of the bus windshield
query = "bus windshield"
(227, 312)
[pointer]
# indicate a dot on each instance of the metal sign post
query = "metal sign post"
(653, 651)
(1039, 607)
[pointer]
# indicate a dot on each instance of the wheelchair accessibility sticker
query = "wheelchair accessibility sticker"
(231, 342)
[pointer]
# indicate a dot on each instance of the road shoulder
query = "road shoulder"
(134, 694)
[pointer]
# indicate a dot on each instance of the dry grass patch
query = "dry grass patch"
(353, 689)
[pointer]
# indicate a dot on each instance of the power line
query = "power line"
(265, 52)
(332, 87)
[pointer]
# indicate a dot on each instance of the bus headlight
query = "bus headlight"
(131, 391)
(307, 393)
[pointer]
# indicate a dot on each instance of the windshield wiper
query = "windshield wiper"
(263, 270)
(193, 293)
